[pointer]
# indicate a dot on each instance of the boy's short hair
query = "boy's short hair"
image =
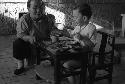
(29, 1)
(84, 9)
(51, 17)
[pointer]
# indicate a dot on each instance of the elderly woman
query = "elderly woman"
(32, 28)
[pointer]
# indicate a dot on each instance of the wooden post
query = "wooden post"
(123, 24)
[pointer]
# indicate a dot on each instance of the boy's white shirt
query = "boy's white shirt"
(84, 31)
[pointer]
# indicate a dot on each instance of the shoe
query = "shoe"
(19, 71)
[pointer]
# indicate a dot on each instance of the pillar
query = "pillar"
(123, 24)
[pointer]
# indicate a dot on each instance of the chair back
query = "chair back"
(21, 14)
(106, 46)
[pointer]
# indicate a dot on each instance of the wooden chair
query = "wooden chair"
(21, 14)
(119, 48)
(102, 59)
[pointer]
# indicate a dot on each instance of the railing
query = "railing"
(8, 17)
(108, 26)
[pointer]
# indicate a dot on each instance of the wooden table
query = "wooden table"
(83, 72)
(51, 73)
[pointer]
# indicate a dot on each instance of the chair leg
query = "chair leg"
(110, 71)
(91, 81)
(110, 81)
(91, 76)
(119, 57)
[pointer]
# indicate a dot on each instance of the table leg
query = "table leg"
(83, 77)
(57, 76)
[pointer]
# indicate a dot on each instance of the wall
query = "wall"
(108, 9)
(9, 14)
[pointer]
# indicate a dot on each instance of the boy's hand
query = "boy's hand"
(76, 37)
(32, 39)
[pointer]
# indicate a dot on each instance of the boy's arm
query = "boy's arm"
(86, 39)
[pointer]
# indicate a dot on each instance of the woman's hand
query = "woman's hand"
(30, 39)
(54, 39)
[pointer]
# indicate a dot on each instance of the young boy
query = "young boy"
(84, 33)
